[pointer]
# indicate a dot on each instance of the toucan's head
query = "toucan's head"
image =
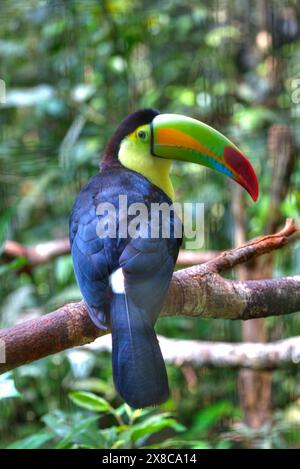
(147, 141)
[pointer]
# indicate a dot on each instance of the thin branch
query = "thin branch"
(45, 252)
(189, 258)
(38, 254)
(256, 356)
(252, 249)
(197, 291)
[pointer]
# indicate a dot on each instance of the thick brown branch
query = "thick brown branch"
(28, 341)
(209, 296)
(197, 291)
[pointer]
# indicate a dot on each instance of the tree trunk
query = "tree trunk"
(255, 387)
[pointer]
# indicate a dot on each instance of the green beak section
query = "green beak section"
(183, 138)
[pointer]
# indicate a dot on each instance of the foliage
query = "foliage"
(105, 427)
(129, 429)
(73, 69)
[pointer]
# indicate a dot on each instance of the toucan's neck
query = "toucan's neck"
(156, 170)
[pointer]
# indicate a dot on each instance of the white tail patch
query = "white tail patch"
(116, 281)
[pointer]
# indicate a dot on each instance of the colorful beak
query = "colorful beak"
(183, 138)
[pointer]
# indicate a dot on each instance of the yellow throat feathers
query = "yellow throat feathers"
(137, 157)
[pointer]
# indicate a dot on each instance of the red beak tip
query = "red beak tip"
(246, 176)
(254, 195)
(256, 192)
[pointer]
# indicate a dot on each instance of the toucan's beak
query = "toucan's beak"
(183, 138)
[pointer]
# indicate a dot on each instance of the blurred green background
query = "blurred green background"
(73, 69)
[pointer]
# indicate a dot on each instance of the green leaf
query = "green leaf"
(77, 432)
(32, 441)
(58, 422)
(90, 401)
(224, 444)
(178, 443)
(74, 429)
(201, 444)
(217, 36)
(251, 119)
(63, 269)
(153, 425)
(118, 444)
(4, 222)
(208, 417)
(14, 265)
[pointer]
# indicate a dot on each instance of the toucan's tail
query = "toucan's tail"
(138, 367)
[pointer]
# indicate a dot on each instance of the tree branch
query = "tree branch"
(253, 249)
(256, 356)
(38, 254)
(45, 252)
(198, 292)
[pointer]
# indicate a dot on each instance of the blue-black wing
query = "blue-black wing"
(89, 257)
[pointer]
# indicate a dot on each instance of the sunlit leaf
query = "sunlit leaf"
(4, 222)
(90, 401)
(208, 417)
(32, 442)
(153, 425)
(14, 265)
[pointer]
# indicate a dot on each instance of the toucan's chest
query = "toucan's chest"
(120, 188)
(108, 185)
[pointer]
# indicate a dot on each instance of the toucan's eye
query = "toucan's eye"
(142, 135)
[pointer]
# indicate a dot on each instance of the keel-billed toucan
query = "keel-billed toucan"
(124, 279)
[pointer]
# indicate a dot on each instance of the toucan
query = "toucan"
(124, 279)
